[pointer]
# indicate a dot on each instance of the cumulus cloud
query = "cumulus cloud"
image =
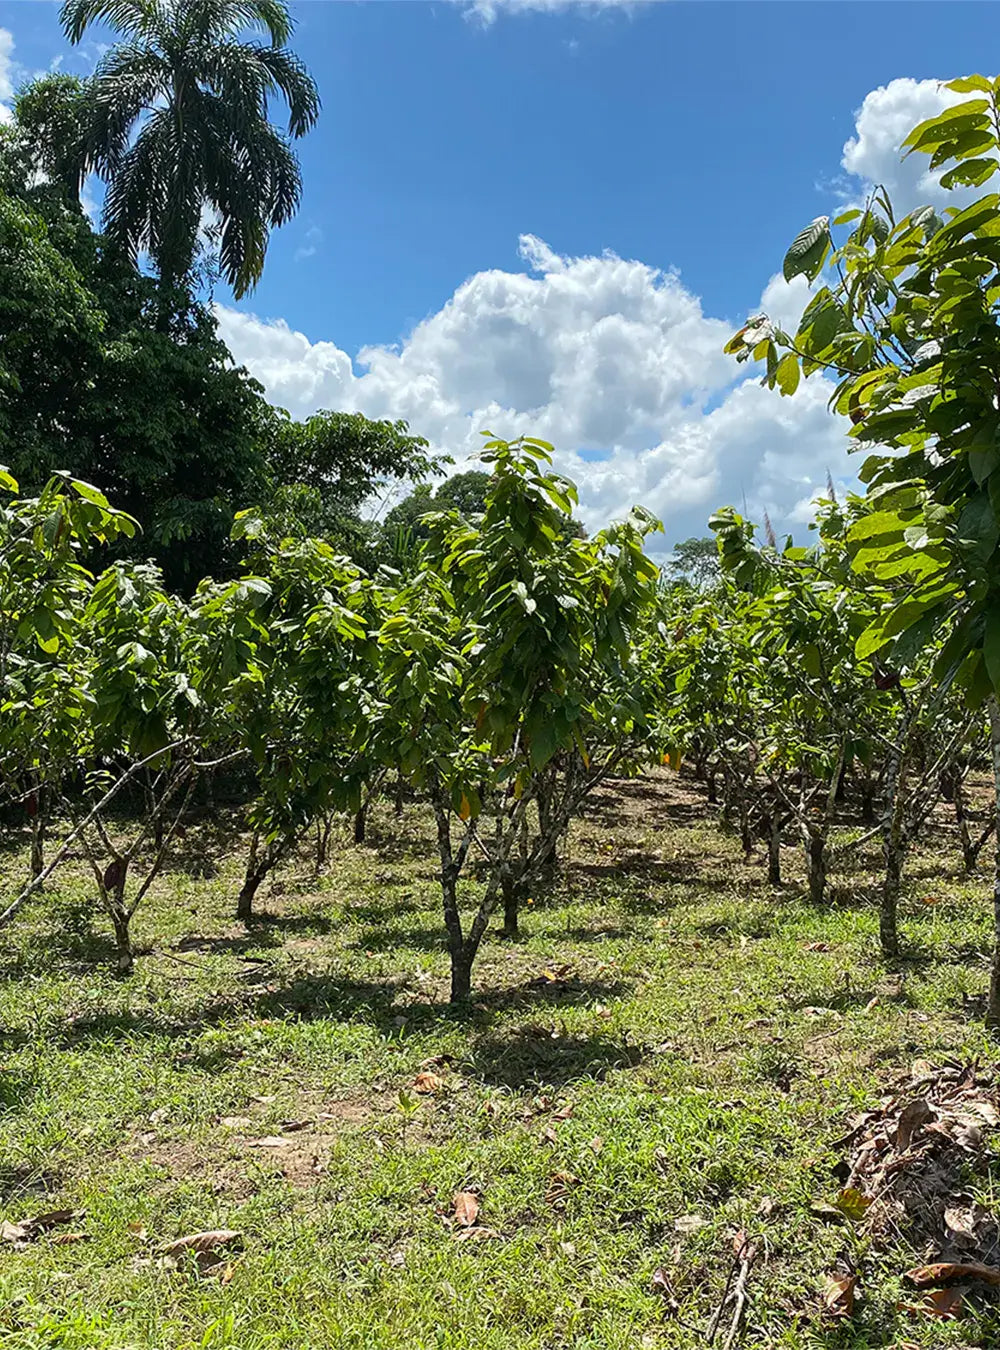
(612, 360)
(6, 73)
(882, 123)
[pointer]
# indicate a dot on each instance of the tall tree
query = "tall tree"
(178, 126)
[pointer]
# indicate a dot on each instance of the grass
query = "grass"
(670, 1040)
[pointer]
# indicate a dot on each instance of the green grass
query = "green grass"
(709, 1049)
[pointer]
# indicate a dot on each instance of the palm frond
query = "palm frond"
(127, 16)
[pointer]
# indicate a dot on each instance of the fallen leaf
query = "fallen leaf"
(872, 1004)
(960, 1223)
(549, 1135)
(477, 1234)
(427, 1082)
(661, 1285)
(201, 1242)
(227, 1274)
(269, 1141)
(292, 1125)
(263, 1101)
(65, 1239)
(564, 1112)
(597, 1143)
(913, 1117)
(235, 1122)
(25, 1230)
(940, 1272)
(930, 899)
(944, 1303)
(689, 1223)
(138, 1230)
(852, 1203)
(767, 1207)
(838, 1294)
(466, 1206)
(816, 947)
(157, 1117)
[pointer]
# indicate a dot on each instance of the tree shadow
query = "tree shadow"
(535, 1057)
(432, 939)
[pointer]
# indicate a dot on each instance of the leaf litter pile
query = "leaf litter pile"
(908, 1167)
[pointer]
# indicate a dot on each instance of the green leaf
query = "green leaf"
(787, 373)
(991, 645)
(808, 250)
(969, 84)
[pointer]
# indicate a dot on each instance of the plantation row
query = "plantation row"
(503, 677)
(508, 665)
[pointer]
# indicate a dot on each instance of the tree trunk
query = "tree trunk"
(461, 976)
(399, 796)
(257, 869)
(774, 848)
(123, 940)
(360, 824)
(511, 891)
(970, 854)
(891, 883)
(868, 802)
(993, 1006)
(37, 844)
(894, 839)
(815, 845)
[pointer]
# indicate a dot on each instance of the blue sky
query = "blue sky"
(693, 137)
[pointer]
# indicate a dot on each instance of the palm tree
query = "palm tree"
(179, 127)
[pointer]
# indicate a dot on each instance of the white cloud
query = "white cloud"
(885, 118)
(6, 73)
(487, 11)
(611, 360)
(310, 247)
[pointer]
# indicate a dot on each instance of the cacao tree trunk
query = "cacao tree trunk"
(993, 1004)
(360, 824)
(774, 848)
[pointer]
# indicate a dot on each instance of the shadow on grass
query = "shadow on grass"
(534, 1057)
(309, 998)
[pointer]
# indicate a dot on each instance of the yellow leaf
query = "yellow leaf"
(464, 808)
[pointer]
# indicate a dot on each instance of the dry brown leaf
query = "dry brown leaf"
(913, 1117)
(549, 1135)
(65, 1239)
(872, 1003)
(661, 1285)
(227, 1274)
(25, 1230)
(477, 1234)
(427, 1082)
(940, 1272)
(767, 1207)
(138, 1230)
(597, 1143)
(960, 1223)
(943, 1303)
(201, 1242)
(564, 1112)
(816, 947)
(466, 1207)
(292, 1125)
(235, 1122)
(689, 1223)
(838, 1294)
